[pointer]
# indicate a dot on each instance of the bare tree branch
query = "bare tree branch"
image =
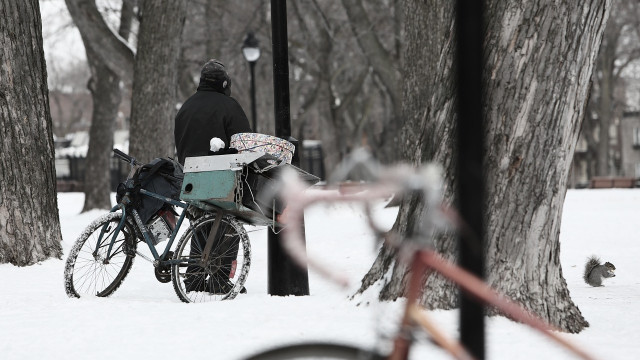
(112, 48)
(380, 59)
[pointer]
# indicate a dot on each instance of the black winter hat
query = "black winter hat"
(214, 73)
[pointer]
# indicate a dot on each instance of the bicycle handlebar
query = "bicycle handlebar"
(125, 157)
(425, 180)
(387, 181)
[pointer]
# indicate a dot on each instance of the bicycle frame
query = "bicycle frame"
(160, 259)
(423, 262)
(206, 259)
(413, 314)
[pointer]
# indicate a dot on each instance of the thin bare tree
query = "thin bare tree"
(153, 103)
(106, 93)
(620, 49)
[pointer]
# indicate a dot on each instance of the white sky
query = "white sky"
(62, 43)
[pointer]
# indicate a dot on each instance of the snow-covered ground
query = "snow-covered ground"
(145, 320)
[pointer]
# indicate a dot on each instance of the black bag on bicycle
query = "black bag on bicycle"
(162, 176)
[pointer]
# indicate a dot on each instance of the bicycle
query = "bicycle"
(416, 251)
(210, 262)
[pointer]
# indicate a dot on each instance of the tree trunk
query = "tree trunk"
(105, 92)
(214, 9)
(539, 59)
(106, 95)
(552, 56)
(153, 105)
(29, 223)
(605, 111)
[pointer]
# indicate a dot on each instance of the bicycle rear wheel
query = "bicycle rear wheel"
(222, 277)
(88, 271)
(324, 351)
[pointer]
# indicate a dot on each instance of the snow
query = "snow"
(145, 319)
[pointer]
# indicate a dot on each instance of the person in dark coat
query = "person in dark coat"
(204, 126)
(209, 113)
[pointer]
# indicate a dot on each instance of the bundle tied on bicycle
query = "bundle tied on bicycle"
(235, 182)
(162, 176)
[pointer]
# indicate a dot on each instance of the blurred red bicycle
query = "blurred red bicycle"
(416, 251)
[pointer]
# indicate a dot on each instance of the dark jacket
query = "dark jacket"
(207, 114)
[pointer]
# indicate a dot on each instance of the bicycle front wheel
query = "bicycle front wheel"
(324, 351)
(222, 275)
(88, 270)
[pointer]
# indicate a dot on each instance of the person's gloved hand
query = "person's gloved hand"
(216, 144)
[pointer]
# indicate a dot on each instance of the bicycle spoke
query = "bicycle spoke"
(197, 282)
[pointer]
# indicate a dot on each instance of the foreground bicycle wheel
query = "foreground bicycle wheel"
(325, 351)
(222, 277)
(88, 271)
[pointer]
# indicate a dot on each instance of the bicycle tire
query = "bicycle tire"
(225, 273)
(87, 274)
(325, 351)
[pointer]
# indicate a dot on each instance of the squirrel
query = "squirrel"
(594, 271)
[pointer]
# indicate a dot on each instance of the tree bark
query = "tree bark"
(534, 110)
(106, 94)
(539, 60)
(153, 104)
(29, 223)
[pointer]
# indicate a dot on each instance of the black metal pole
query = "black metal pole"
(469, 176)
(284, 276)
(252, 66)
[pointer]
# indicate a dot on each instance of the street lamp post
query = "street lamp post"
(285, 276)
(251, 52)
